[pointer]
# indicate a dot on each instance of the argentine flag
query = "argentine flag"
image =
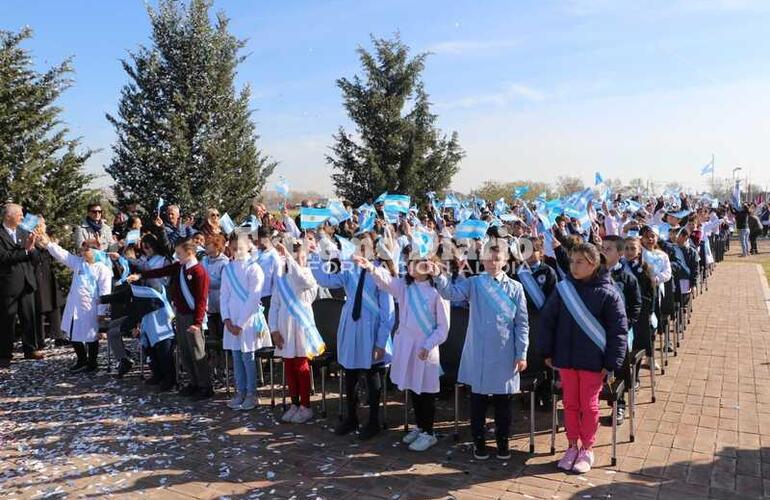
(471, 229)
(397, 203)
(598, 179)
(311, 218)
(338, 212)
(707, 169)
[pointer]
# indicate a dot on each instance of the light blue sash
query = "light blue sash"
(126, 270)
(235, 284)
(530, 285)
(303, 314)
(157, 325)
(243, 295)
(630, 337)
(156, 261)
(419, 307)
(582, 316)
(497, 297)
(188, 296)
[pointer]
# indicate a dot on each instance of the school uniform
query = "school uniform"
(366, 322)
(214, 266)
(189, 288)
(291, 315)
(423, 323)
(83, 308)
(270, 262)
(497, 338)
(239, 302)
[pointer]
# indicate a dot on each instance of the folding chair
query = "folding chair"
(327, 314)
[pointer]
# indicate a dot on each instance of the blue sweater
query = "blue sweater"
(561, 339)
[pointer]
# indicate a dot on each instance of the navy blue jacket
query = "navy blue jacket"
(562, 340)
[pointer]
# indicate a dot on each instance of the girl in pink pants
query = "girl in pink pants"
(583, 334)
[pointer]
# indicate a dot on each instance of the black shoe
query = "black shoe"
(188, 390)
(124, 367)
(503, 452)
(621, 414)
(91, 368)
(670, 347)
(202, 394)
(78, 367)
(346, 427)
(480, 450)
(164, 386)
(372, 429)
(61, 342)
(152, 381)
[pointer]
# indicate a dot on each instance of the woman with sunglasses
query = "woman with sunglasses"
(93, 231)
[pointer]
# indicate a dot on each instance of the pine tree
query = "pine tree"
(40, 168)
(399, 149)
(184, 134)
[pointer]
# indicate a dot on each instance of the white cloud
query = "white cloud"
(464, 47)
(511, 93)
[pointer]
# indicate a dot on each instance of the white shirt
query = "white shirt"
(11, 233)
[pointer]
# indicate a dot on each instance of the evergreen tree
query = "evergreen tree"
(40, 168)
(184, 134)
(399, 149)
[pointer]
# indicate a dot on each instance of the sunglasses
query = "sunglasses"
(95, 211)
(214, 215)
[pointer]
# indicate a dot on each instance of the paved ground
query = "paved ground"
(94, 436)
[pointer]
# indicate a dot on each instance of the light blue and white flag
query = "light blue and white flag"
(471, 229)
(133, 237)
(423, 243)
(381, 198)
(160, 204)
(311, 218)
(598, 179)
(338, 212)
(366, 221)
(226, 223)
(735, 198)
(707, 169)
(501, 206)
(30, 222)
(451, 201)
(397, 203)
(520, 191)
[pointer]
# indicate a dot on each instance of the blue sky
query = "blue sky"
(535, 89)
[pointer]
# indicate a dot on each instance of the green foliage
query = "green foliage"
(492, 190)
(40, 167)
(184, 134)
(398, 148)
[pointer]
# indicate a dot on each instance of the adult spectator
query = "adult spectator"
(18, 259)
(93, 231)
(175, 229)
(48, 298)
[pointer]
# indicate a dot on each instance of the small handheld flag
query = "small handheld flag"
(598, 179)
(311, 218)
(282, 187)
(423, 243)
(160, 204)
(471, 229)
(397, 203)
(227, 224)
(338, 212)
(347, 248)
(30, 222)
(132, 237)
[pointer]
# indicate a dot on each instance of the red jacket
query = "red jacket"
(197, 281)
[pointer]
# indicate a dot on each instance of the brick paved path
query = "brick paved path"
(708, 435)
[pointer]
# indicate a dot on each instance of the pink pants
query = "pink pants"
(581, 390)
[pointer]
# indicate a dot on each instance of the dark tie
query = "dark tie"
(359, 296)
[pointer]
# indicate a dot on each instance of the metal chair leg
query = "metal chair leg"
(227, 373)
(632, 400)
(272, 384)
(283, 385)
(652, 378)
(385, 399)
(141, 361)
(614, 433)
(457, 412)
(406, 411)
(261, 370)
(312, 380)
(342, 393)
(532, 420)
(323, 391)
(553, 424)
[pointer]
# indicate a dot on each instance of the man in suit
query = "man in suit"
(18, 258)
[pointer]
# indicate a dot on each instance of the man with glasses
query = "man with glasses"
(93, 231)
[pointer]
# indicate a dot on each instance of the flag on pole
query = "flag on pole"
(226, 223)
(347, 248)
(366, 221)
(707, 169)
(311, 218)
(282, 187)
(160, 204)
(423, 243)
(598, 179)
(30, 222)
(397, 203)
(338, 212)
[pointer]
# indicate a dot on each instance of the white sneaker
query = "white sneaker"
(302, 415)
(236, 402)
(423, 442)
(249, 402)
(289, 415)
(412, 436)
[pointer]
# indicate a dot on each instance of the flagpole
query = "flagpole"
(713, 168)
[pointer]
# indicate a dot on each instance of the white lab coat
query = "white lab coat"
(244, 314)
(81, 313)
(303, 283)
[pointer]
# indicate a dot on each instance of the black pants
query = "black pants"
(753, 243)
(502, 404)
(373, 377)
(162, 361)
(87, 352)
(21, 307)
(424, 406)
